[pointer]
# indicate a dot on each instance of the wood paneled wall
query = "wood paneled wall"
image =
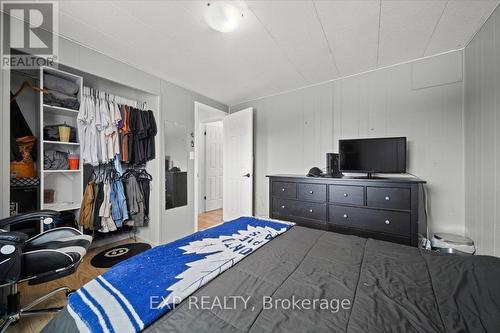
(422, 100)
(482, 137)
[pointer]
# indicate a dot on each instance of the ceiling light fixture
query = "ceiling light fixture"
(223, 16)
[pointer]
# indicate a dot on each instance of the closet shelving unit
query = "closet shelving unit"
(67, 184)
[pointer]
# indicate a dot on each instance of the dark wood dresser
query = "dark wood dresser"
(380, 208)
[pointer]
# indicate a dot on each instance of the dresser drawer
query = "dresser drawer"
(388, 197)
(371, 219)
(353, 195)
(312, 192)
(285, 190)
(310, 210)
(283, 207)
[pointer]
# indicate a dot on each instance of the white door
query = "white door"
(213, 166)
(238, 164)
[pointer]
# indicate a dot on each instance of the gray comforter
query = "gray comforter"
(314, 281)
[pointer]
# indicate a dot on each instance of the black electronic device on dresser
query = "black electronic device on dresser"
(381, 208)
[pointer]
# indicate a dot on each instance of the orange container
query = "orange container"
(74, 162)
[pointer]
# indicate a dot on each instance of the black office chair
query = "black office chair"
(48, 256)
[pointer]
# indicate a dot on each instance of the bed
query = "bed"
(371, 286)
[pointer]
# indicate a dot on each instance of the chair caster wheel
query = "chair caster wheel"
(69, 292)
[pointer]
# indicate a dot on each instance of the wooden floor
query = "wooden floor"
(84, 274)
(209, 219)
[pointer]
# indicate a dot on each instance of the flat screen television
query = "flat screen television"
(380, 155)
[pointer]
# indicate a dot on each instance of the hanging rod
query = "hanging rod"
(119, 99)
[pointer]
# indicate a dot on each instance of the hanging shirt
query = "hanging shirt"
(87, 131)
(87, 207)
(152, 131)
(126, 135)
(99, 126)
(113, 143)
(119, 210)
(106, 130)
(135, 202)
(110, 131)
(99, 198)
(107, 223)
(144, 185)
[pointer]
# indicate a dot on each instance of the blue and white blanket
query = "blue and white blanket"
(137, 291)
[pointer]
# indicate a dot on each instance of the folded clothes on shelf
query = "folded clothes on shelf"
(55, 160)
(60, 84)
(56, 98)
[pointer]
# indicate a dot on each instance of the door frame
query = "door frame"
(202, 114)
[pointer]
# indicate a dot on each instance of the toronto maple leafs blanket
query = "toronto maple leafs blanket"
(137, 291)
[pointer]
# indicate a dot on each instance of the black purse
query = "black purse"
(51, 133)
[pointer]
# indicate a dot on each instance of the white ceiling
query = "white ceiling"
(281, 45)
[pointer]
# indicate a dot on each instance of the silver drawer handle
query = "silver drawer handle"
(387, 222)
(345, 216)
(310, 210)
(311, 192)
(387, 198)
(345, 195)
(283, 207)
(283, 190)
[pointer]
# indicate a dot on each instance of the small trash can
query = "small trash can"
(452, 244)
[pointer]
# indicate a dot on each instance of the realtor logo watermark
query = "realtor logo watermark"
(29, 34)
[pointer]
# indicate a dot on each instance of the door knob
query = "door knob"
(247, 175)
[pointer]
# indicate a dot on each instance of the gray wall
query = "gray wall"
(482, 145)
(420, 100)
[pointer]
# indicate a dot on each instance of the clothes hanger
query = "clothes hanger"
(144, 174)
(92, 176)
(24, 85)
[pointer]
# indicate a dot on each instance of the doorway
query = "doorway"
(223, 161)
(211, 169)
(209, 166)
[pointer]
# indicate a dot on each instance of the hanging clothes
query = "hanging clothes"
(113, 130)
(119, 210)
(108, 129)
(144, 180)
(107, 223)
(150, 141)
(87, 206)
(87, 130)
(135, 202)
(99, 198)
(113, 199)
